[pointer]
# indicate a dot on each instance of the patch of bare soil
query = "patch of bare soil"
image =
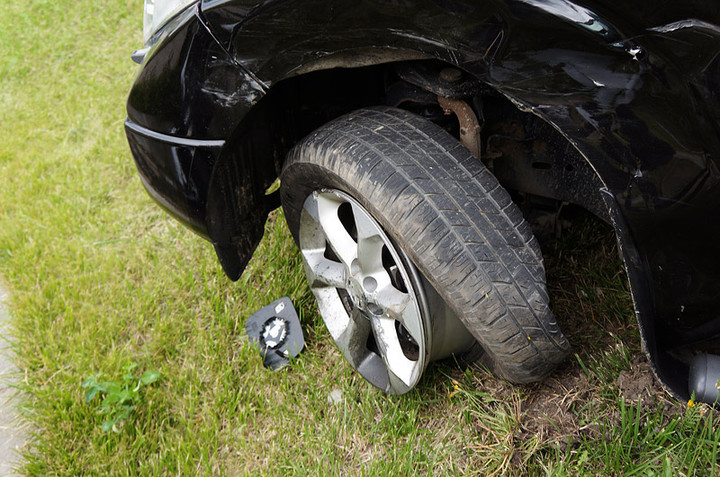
(550, 410)
(561, 409)
(638, 382)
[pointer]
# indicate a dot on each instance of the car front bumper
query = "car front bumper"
(189, 96)
(175, 171)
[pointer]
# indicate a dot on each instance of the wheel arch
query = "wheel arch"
(287, 46)
(253, 156)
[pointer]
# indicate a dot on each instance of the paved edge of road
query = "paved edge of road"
(13, 430)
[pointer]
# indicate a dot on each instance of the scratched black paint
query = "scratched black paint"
(633, 87)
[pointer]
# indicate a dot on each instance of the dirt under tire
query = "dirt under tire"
(454, 221)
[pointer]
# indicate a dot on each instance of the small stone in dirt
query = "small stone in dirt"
(335, 397)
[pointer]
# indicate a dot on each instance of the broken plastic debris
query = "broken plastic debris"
(275, 330)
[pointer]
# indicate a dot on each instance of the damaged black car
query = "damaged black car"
(414, 139)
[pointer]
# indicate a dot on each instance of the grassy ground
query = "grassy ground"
(100, 279)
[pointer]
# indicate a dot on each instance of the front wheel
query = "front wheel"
(388, 210)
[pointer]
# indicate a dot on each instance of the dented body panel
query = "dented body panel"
(633, 88)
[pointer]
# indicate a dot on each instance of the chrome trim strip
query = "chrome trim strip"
(180, 141)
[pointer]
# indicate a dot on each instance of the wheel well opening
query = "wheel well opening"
(538, 165)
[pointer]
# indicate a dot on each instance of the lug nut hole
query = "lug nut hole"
(355, 267)
(374, 309)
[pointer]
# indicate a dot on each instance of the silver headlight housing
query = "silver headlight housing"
(157, 13)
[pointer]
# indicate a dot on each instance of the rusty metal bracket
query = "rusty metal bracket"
(469, 125)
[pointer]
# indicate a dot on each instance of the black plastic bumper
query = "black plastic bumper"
(175, 171)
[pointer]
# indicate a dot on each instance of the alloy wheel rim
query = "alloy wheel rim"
(368, 292)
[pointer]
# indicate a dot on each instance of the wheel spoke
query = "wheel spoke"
(323, 272)
(400, 307)
(370, 255)
(344, 246)
(353, 340)
(370, 243)
(391, 350)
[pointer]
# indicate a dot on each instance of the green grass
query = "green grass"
(100, 278)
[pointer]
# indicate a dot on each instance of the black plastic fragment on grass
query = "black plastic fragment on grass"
(275, 330)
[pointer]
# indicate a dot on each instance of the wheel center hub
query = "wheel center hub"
(361, 294)
(357, 293)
